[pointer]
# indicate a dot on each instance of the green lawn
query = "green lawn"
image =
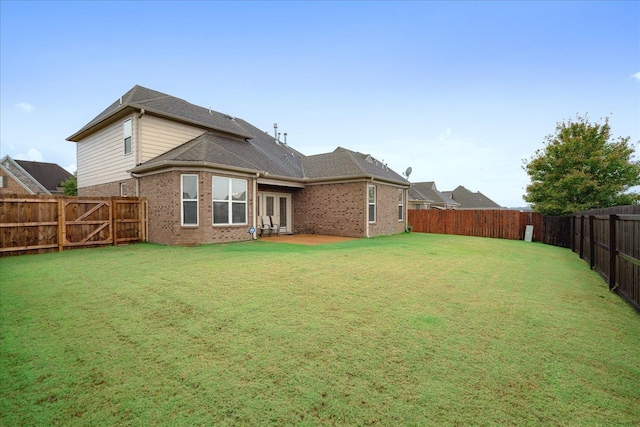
(415, 329)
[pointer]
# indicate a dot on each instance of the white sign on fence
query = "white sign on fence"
(528, 233)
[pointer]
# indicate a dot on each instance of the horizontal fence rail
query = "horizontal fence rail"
(501, 224)
(37, 224)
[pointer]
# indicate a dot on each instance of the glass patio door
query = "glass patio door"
(280, 205)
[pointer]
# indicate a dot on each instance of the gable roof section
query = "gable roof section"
(37, 177)
(140, 98)
(214, 150)
(343, 163)
(429, 190)
(471, 200)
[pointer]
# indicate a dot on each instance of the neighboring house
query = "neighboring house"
(208, 176)
(417, 200)
(471, 200)
(27, 177)
(427, 196)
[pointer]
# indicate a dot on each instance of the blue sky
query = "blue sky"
(460, 91)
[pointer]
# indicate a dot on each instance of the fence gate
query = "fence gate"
(86, 222)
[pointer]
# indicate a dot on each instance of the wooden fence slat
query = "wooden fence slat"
(28, 224)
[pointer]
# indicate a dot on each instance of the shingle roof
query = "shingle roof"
(345, 163)
(471, 200)
(244, 146)
(49, 175)
(167, 106)
(259, 154)
(430, 190)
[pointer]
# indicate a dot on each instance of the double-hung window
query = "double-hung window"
(189, 191)
(372, 203)
(400, 205)
(127, 130)
(229, 201)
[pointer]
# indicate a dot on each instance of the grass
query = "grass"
(414, 329)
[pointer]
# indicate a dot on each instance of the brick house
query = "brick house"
(208, 176)
(29, 177)
(471, 200)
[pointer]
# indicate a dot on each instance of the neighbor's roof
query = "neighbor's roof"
(471, 200)
(416, 195)
(154, 102)
(49, 175)
(430, 190)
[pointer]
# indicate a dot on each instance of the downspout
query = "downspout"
(138, 144)
(254, 207)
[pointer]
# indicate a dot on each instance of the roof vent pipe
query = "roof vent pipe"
(279, 136)
(275, 132)
(120, 100)
(285, 138)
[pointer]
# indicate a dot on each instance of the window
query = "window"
(372, 203)
(127, 131)
(229, 201)
(3, 181)
(400, 204)
(189, 191)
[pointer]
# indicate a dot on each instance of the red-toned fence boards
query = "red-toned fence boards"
(38, 224)
(502, 224)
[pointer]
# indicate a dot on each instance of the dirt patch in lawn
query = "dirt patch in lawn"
(305, 239)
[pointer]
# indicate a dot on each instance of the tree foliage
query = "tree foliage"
(70, 185)
(582, 167)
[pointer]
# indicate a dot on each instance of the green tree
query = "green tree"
(70, 185)
(582, 167)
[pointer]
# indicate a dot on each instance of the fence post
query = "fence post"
(114, 221)
(592, 243)
(61, 225)
(613, 250)
(581, 236)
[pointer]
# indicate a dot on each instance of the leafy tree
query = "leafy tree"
(70, 185)
(581, 167)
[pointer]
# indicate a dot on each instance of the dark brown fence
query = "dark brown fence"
(609, 240)
(37, 224)
(501, 224)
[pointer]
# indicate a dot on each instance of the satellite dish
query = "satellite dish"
(408, 171)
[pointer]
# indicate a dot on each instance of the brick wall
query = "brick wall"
(13, 187)
(110, 189)
(331, 209)
(163, 194)
(387, 212)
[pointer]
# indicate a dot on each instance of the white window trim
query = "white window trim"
(230, 203)
(127, 128)
(182, 200)
(375, 208)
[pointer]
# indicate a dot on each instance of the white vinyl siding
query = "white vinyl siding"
(101, 159)
(160, 135)
(127, 131)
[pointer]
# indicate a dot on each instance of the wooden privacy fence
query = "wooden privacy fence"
(609, 240)
(501, 224)
(37, 224)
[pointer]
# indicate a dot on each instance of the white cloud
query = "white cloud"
(636, 75)
(32, 154)
(71, 168)
(25, 106)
